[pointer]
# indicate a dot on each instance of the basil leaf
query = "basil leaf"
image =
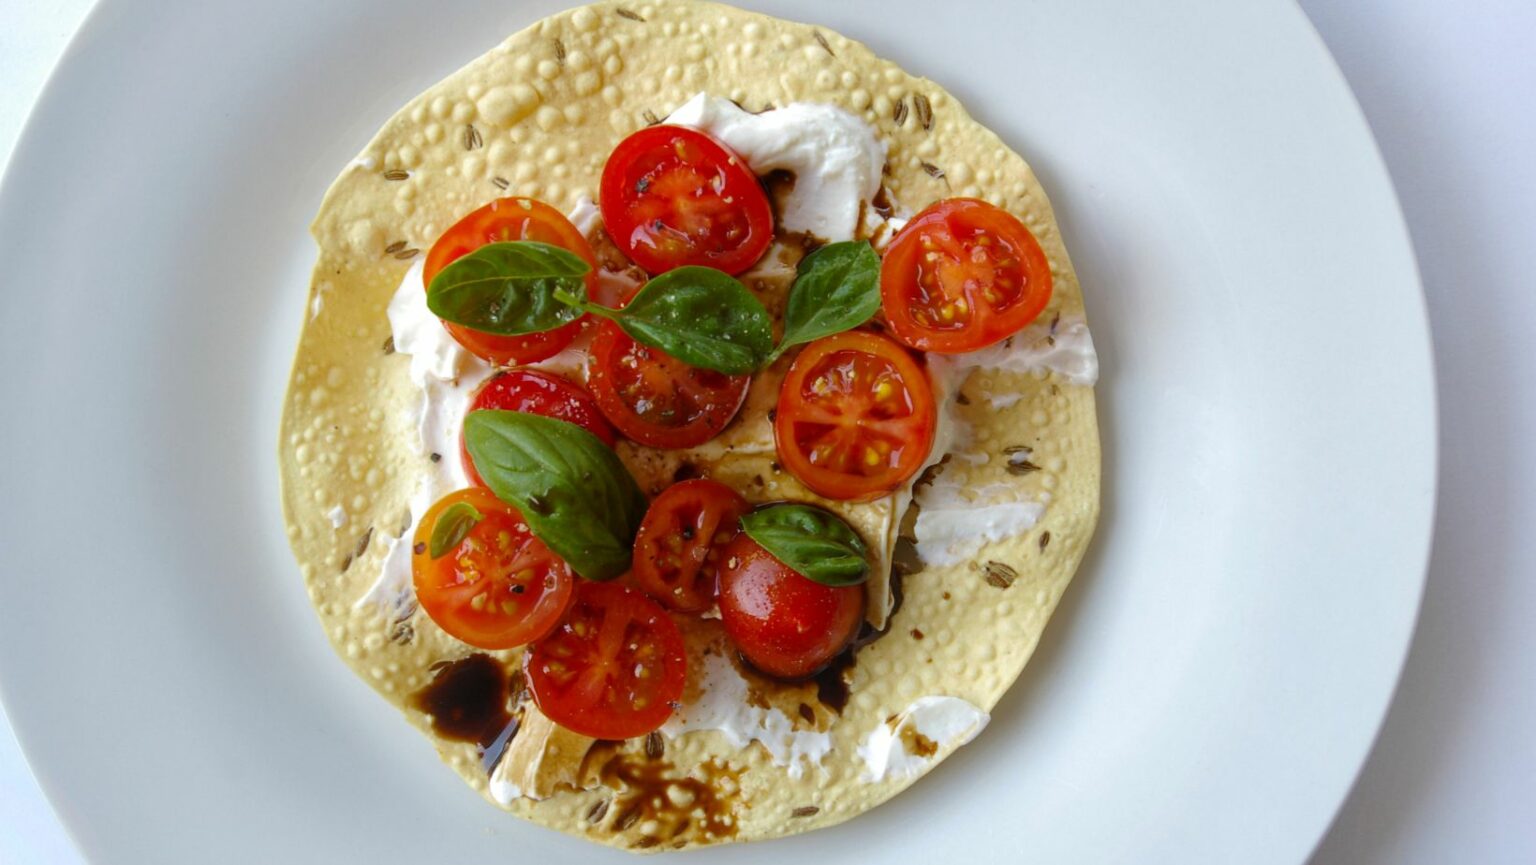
(452, 527)
(812, 541)
(701, 316)
(836, 288)
(509, 288)
(570, 487)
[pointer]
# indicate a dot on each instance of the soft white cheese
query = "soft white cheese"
(337, 515)
(722, 705)
(503, 790)
(836, 158)
(956, 521)
(947, 722)
(1064, 347)
(447, 376)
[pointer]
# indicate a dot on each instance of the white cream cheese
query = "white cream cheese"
(835, 157)
(722, 705)
(955, 520)
(447, 376)
(337, 515)
(945, 723)
(503, 790)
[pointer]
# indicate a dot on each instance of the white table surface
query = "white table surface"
(1449, 89)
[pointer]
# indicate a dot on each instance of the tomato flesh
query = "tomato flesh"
(678, 549)
(962, 275)
(500, 586)
(672, 196)
(656, 399)
(613, 669)
(540, 393)
(503, 220)
(855, 418)
(784, 623)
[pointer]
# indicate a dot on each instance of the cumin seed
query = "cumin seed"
(655, 746)
(804, 811)
(560, 53)
(933, 171)
(362, 543)
(389, 344)
(1019, 464)
(625, 13)
(405, 254)
(395, 247)
(1045, 538)
(924, 111)
(1000, 575)
(598, 811)
(822, 41)
(346, 563)
(899, 113)
(500, 183)
(472, 139)
(650, 117)
(396, 174)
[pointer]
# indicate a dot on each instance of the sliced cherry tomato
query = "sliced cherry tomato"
(784, 623)
(499, 586)
(856, 416)
(536, 392)
(672, 196)
(510, 219)
(613, 669)
(962, 275)
(677, 550)
(656, 399)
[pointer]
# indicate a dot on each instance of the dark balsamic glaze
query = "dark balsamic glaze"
(467, 702)
(650, 791)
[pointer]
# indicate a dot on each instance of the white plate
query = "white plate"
(1205, 694)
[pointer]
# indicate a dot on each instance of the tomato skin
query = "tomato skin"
(524, 588)
(680, 543)
(655, 399)
(855, 418)
(962, 275)
(501, 220)
(614, 669)
(784, 623)
(535, 392)
(672, 196)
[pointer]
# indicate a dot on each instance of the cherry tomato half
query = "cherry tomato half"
(856, 416)
(672, 196)
(497, 588)
(501, 220)
(962, 275)
(656, 399)
(540, 393)
(613, 669)
(677, 550)
(784, 623)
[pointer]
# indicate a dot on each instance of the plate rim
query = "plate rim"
(96, 19)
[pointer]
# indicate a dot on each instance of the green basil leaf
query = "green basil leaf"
(509, 288)
(812, 541)
(453, 526)
(836, 288)
(701, 316)
(570, 487)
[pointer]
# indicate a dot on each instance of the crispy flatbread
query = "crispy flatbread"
(537, 116)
